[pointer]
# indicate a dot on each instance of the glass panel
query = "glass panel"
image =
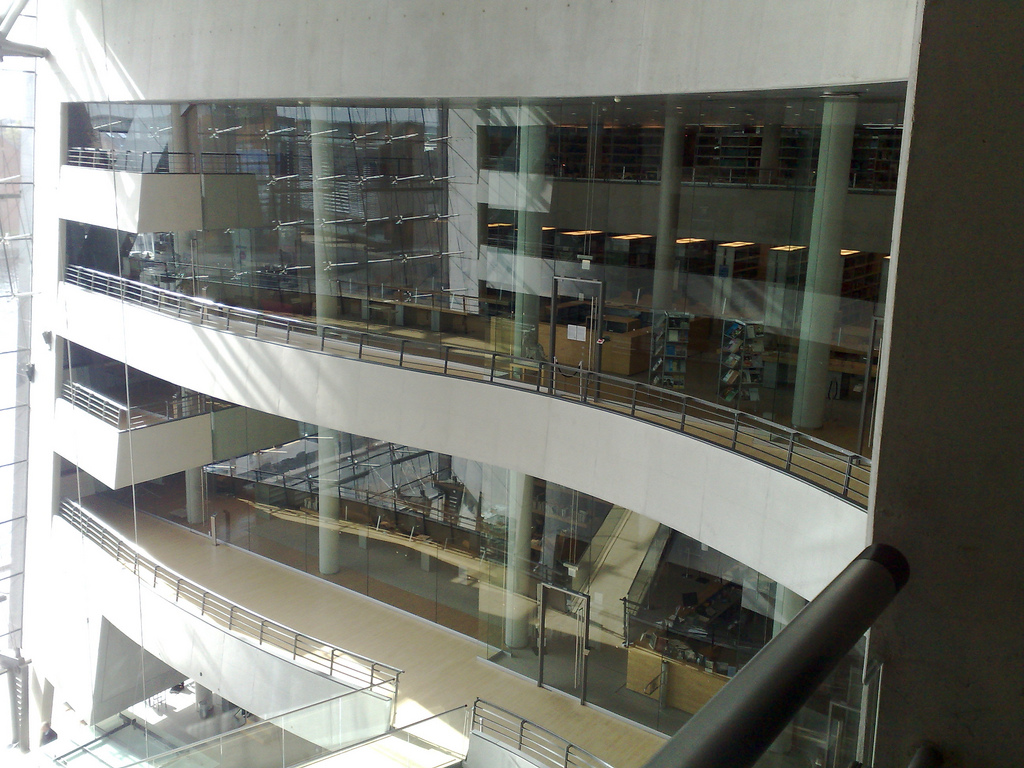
(563, 641)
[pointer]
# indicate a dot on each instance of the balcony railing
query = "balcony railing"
(347, 667)
(539, 744)
(166, 162)
(833, 469)
(124, 417)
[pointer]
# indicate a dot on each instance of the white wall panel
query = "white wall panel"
(130, 202)
(196, 50)
(119, 458)
(775, 523)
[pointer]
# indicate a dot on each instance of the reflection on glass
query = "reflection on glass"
(449, 222)
(559, 586)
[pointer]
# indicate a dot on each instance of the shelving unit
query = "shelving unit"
(876, 159)
(736, 155)
(670, 336)
(862, 275)
(741, 374)
(794, 153)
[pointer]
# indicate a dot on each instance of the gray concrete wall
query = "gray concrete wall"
(949, 462)
(195, 50)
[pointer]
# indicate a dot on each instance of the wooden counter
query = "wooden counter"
(690, 687)
(623, 353)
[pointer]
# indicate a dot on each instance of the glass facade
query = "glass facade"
(715, 247)
(730, 249)
(559, 586)
(17, 132)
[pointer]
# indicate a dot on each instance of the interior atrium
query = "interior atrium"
(394, 407)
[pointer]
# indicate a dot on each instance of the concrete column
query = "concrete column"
(321, 148)
(322, 156)
(532, 146)
(518, 602)
(948, 465)
(195, 496)
(668, 206)
(204, 701)
(824, 262)
(180, 141)
(329, 502)
(462, 229)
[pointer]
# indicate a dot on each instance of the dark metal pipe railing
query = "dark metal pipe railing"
(351, 668)
(829, 467)
(738, 725)
(927, 756)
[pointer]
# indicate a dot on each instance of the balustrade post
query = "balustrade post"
(735, 428)
(447, 350)
(849, 474)
(789, 452)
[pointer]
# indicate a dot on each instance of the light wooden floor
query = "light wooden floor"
(441, 669)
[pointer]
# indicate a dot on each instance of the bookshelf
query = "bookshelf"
(741, 373)
(876, 159)
(862, 275)
(670, 335)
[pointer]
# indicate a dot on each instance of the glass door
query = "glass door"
(563, 640)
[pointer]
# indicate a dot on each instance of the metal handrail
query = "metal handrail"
(742, 720)
(540, 744)
(325, 658)
(137, 416)
(712, 175)
(132, 161)
(165, 162)
(835, 470)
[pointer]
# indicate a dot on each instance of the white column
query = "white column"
(518, 603)
(329, 503)
(529, 216)
(195, 496)
(824, 262)
(321, 149)
(462, 229)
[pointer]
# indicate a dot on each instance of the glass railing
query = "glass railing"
(293, 738)
(835, 470)
(434, 742)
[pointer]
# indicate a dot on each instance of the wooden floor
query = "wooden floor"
(441, 669)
